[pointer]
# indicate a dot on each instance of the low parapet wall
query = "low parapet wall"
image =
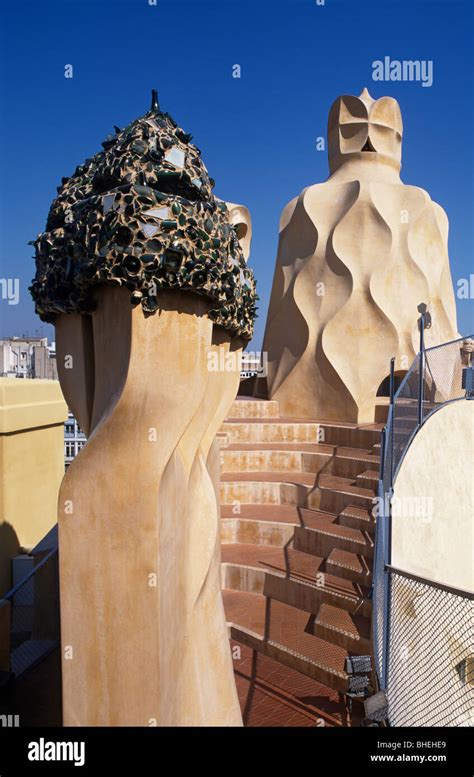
(433, 504)
(32, 414)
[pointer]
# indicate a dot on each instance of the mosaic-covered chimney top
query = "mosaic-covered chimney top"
(142, 214)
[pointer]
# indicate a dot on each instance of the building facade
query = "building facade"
(74, 439)
(28, 357)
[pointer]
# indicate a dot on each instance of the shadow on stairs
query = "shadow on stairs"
(297, 550)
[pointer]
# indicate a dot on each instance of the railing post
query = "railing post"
(383, 440)
(392, 425)
(392, 379)
(387, 530)
(387, 624)
(422, 369)
(383, 540)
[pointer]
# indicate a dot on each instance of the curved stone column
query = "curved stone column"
(138, 525)
(142, 273)
(357, 255)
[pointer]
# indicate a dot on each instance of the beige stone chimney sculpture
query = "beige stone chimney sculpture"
(357, 255)
(144, 282)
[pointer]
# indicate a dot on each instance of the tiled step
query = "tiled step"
(223, 438)
(289, 514)
(350, 566)
(325, 492)
(350, 462)
(334, 494)
(274, 695)
(262, 524)
(300, 478)
(245, 609)
(357, 518)
(260, 461)
(255, 458)
(296, 447)
(239, 558)
(254, 408)
(350, 435)
(351, 632)
(296, 525)
(297, 457)
(381, 410)
(368, 479)
(309, 596)
(266, 487)
(252, 532)
(311, 518)
(257, 429)
(323, 536)
(275, 430)
(279, 631)
(290, 576)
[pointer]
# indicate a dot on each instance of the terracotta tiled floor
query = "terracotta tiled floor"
(273, 695)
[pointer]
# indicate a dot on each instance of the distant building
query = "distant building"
(74, 439)
(33, 357)
(28, 357)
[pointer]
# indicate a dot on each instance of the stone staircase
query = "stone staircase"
(298, 539)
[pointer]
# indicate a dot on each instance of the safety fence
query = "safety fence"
(423, 633)
(34, 614)
(431, 660)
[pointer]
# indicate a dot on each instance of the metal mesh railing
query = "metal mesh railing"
(405, 416)
(439, 372)
(431, 654)
(34, 615)
(443, 375)
(421, 630)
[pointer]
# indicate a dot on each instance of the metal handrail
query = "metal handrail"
(405, 379)
(449, 342)
(11, 593)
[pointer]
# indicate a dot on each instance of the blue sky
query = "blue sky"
(257, 133)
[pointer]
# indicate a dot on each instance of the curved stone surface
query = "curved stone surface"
(144, 633)
(143, 627)
(357, 255)
(145, 505)
(433, 499)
